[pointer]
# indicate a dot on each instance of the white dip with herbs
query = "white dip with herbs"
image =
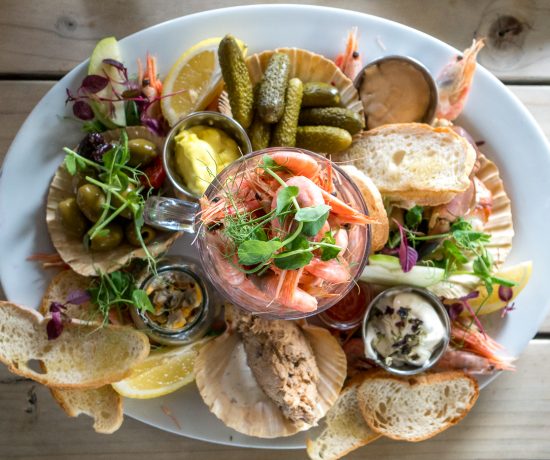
(404, 329)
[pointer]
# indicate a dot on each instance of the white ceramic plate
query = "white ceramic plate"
(512, 139)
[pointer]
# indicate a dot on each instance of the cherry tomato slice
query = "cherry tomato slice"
(155, 173)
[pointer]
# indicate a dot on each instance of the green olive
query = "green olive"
(71, 217)
(147, 233)
(79, 179)
(142, 152)
(106, 241)
(90, 200)
(117, 202)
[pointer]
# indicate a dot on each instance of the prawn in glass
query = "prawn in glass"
(277, 228)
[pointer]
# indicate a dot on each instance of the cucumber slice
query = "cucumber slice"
(107, 49)
(386, 270)
(455, 286)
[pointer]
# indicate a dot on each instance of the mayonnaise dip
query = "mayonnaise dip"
(404, 329)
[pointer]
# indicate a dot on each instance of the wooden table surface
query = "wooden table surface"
(40, 41)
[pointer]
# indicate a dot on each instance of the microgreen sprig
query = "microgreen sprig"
(288, 252)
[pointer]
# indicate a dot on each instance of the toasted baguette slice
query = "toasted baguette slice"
(85, 355)
(345, 429)
(103, 404)
(379, 231)
(413, 162)
(59, 289)
(418, 407)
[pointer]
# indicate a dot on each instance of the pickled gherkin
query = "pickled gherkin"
(259, 133)
(323, 139)
(285, 131)
(349, 120)
(271, 95)
(319, 94)
(237, 80)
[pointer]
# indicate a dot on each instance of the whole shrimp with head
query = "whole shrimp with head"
(454, 82)
(278, 230)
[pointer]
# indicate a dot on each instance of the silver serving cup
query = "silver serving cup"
(432, 107)
(439, 309)
(211, 119)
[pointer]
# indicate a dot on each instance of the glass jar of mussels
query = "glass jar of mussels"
(183, 302)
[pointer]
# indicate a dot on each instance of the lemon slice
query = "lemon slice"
(519, 274)
(193, 81)
(163, 372)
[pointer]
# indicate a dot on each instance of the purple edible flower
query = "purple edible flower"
(78, 297)
(505, 293)
(94, 84)
(83, 110)
(407, 254)
(54, 328)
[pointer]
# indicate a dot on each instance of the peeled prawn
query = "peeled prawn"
(344, 213)
(332, 270)
(454, 82)
(298, 300)
(297, 163)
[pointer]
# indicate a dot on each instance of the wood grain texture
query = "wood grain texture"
(52, 37)
(511, 420)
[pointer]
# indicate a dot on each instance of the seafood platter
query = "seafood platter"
(294, 244)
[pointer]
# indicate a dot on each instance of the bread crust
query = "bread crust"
(413, 381)
(74, 410)
(40, 322)
(375, 205)
(310, 443)
(426, 196)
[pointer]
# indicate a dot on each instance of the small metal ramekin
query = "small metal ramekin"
(211, 119)
(439, 309)
(432, 107)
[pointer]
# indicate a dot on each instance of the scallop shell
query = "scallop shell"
(230, 391)
(71, 249)
(500, 224)
(308, 67)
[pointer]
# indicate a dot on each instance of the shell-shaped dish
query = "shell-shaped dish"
(308, 67)
(500, 224)
(229, 389)
(71, 248)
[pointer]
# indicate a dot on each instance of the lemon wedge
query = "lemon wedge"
(518, 274)
(163, 372)
(193, 81)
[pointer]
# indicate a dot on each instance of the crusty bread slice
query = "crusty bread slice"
(379, 231)
(60, 287)
(418, 407)
(103, 404)
(85, 355)
(345, 429)
(413, 162)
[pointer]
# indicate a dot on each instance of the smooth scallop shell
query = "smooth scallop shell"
(71, 248)
(500, 224)
(230, 391)
(308, 67)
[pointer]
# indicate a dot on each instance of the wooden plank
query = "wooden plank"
(51, 38)
(511, 420)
